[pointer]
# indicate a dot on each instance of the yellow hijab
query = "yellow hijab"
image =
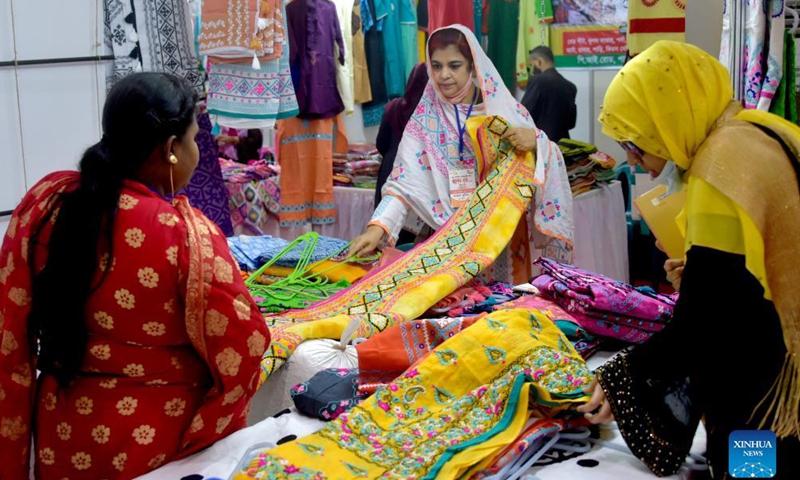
(674, 101)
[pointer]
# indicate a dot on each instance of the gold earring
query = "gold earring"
(173, 159)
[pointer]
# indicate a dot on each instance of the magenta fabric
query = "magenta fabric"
(603, 306)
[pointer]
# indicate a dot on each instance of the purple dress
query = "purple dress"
(313, 29)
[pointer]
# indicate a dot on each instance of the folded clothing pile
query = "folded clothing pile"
(586, 167)
(358, 168)
(255, 194)
(252, 252)
(605, 307)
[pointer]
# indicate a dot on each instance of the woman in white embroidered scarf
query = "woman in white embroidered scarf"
(436, 149)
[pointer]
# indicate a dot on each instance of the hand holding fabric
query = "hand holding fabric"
(524, 139)
(604, 415)
(367, 242)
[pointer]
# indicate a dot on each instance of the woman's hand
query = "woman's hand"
(367, 242)
(522, 138)
(604, 415)
(674, 269)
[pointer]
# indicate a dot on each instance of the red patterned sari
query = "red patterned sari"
(174, 345)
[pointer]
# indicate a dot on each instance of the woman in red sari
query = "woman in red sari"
(126, 301)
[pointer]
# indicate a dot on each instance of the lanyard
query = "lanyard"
(463, 129)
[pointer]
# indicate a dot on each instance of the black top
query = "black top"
(550, 99)
(718, 358)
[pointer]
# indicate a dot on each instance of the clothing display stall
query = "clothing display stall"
(459, 344)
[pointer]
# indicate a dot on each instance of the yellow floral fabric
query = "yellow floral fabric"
(449, 416)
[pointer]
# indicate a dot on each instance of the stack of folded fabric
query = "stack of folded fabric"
(252, 252)
(586, 167)
(605, 307)
(359, 168)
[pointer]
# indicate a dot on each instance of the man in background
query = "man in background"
(550, 98)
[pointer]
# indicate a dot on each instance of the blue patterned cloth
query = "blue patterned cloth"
(252, 252)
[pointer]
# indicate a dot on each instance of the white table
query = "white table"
(601, 235)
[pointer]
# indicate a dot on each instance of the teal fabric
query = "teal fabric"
(408, 33)
(388, 14)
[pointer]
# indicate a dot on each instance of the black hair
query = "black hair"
(248, 147)
(544, 53)
(141, 112)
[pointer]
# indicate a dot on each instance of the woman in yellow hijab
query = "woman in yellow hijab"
(732, 351)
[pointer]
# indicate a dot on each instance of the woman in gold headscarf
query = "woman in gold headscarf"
(732, 351)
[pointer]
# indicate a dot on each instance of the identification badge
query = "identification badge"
(462, 184)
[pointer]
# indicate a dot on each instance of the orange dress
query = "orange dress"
(173, 353)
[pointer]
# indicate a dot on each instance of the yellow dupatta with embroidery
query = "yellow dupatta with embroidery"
(674, 101)
(449, 416)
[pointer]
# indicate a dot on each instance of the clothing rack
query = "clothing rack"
(6, 213)
(53, 61)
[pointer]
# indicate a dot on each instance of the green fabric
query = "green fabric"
(410, 50)
(784, 104)
(502, 38)
(530, 33)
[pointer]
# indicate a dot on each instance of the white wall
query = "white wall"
(48, 114)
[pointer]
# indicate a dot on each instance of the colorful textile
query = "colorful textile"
(408, 33)
(253, 252)
(374, 52)
(173, 344)
(729, 159)
(384, 357)
(584, 343)
(306, 153)
(239, 91)
(166, 42)
(373, 115)
(537, 430)
(442, 13)
(254, 204)
(603, 306)
(316, 47)
(402, 291)
(119, 31)
(448, 417)
(650, 21)
(534, 30)
(242, 29)
(242, 93)
(206, 190)
(328, 394)
(361, 85)
(502, 14)
(388, 13)
(784, 104)
(430, 149)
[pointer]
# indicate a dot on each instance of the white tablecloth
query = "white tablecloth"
(601, 235)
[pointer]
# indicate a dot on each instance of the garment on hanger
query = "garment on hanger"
(242, 28)
(166, 42)
(245, 97)
(345, 74)
(784, 104)
(373, 46)
(363, 90)
(532, 20)
(314, 37)
(306, 160)
(503, 13)
(408, 33)
(120, 35)
(388, 13)
(649, 22)
(442, 13)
